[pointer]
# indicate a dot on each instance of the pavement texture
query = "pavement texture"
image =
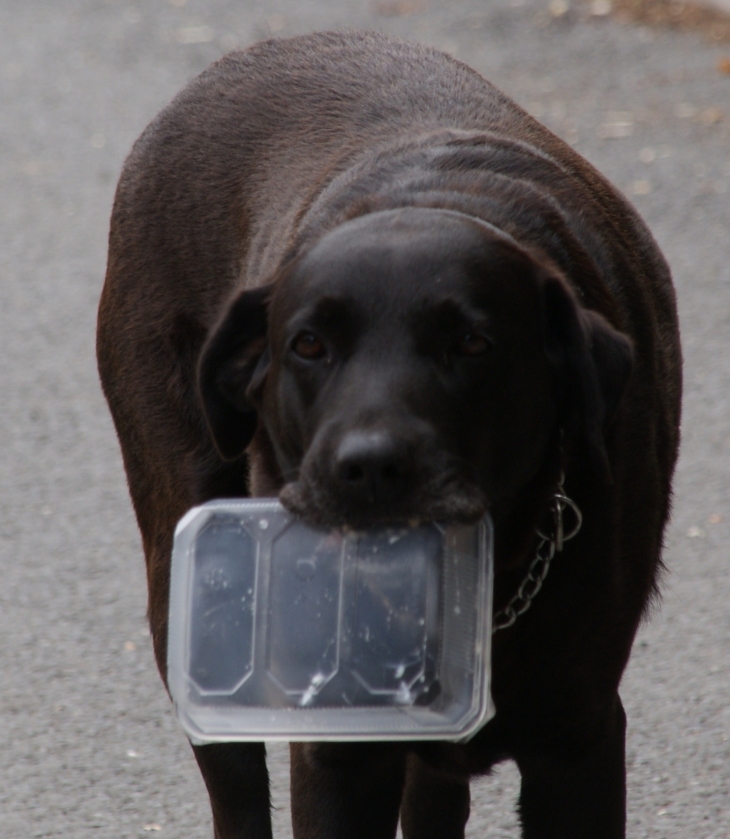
(90, 746)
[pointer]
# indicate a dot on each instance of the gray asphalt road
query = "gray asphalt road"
(89, 746)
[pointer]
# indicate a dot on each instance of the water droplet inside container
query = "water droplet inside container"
(216, 580)
(263, 523)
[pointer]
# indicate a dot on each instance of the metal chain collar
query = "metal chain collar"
(547, 547)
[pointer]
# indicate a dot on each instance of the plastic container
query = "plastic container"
(279, 631)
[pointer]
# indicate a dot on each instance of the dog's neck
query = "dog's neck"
(518, 520)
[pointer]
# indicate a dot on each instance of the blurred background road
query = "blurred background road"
(89, 744)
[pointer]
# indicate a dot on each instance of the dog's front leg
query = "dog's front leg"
(435, 803)
(238, 785)
(577, 793)
(347, 790)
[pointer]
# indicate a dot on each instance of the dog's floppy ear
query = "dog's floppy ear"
(594, 362)
(233, 362)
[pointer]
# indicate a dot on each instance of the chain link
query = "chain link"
(548, 546)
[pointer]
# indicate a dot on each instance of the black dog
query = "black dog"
(348, 271)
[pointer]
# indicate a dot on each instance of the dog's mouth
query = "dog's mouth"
(450, 501)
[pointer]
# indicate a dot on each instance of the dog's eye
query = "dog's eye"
(473, 343)
(307, 345)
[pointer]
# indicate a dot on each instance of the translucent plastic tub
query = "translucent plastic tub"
(279, 631)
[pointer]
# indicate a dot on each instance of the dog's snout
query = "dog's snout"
(373, 464)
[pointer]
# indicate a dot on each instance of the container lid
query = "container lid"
(280, 631)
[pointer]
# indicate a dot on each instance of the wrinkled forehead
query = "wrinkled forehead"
(398, 259)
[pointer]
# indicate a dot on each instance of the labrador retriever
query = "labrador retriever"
(349, 272)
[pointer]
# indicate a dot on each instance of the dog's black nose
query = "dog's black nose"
(374, 465)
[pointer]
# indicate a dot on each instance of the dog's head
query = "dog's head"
(413, 364)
